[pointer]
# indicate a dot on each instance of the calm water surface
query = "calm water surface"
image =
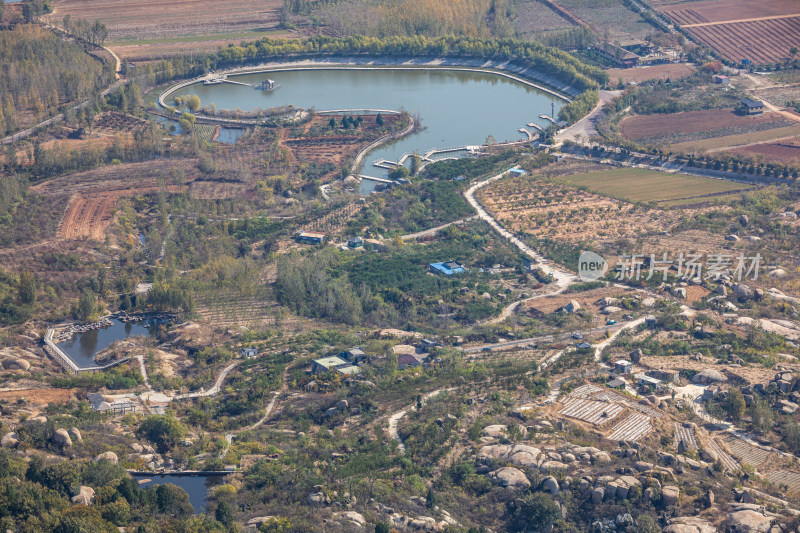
(82, 347)
(196, 486)
(456, 108)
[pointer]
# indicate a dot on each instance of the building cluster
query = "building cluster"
(349, 362)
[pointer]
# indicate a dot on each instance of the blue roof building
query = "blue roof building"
(448, 268)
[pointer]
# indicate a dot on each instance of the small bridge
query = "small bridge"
(373, 178)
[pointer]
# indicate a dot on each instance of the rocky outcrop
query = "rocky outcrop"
(708, 376)
(550, 484)
(689, 524)
(350, 519)
(572, 307)
(749, 521)
(85, 496)
(108, 456)
(16, 364)
(510, 477)
(669, 495)
(9, 440)
(75, 435)
(62, 438)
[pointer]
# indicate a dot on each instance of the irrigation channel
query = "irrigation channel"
(459, 109)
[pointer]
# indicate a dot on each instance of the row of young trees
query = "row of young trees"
(551, 61)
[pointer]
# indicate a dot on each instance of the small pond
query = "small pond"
(82, 347)
(196, 486)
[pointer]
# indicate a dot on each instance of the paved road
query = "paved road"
(585, 128)
(549, 338)
(562, 277)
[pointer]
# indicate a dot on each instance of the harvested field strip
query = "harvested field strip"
(746, 453)
(640, 127)
(593, 412)
(638, 185)
(729, 462)
(632, 428)
(711, 199)
(782, 152)
(785, 478)
(732, 141)
(686, 435)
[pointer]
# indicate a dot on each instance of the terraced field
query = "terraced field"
(686, 435)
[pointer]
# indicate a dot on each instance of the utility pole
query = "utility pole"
(553, 110)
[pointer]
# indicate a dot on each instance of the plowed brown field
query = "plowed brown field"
(644, 126)
(763, 32)
(786, 152)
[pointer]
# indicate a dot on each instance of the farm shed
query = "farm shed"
(721, 79)
(118, 406)
(405, 360)
(646, 381)
(355, 242)
(310, 237)
(354, 355)
(249, 352)
(326, 364)
(753, 107)
(623, 367)
(663, 375)
(448, 268)
(617, 383)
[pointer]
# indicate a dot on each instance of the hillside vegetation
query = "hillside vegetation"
(39, 72)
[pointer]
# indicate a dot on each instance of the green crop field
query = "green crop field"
(637, 185)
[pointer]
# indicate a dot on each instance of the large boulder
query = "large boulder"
(75, 435)
(61, 437)
(16, 364)
(350, 518)
(572, 307)
(108, 456)
(510, 477)
(748, 521)
(597, 495)
(85, 496)
(689, 524)
(742, 291)
(495, 430)
(669, 495)
(550, 484)
(9, 440)
(258, 521)
(708, 376)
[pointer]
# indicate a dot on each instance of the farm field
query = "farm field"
(732, 141)
(636, 185)
(786, 151)
(655, 72)
(667, 127)
(556, 209)
(534, 17)
(763, 32)
(172, 21)
(710, 130)
(609, 15)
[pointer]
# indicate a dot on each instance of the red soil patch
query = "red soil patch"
(785, 152)
(643, 126)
